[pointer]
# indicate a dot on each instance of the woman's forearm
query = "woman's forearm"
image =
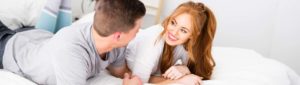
(159, 80)
(156, 79)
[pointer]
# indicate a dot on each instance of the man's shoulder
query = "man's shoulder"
(72, 40)
(77, 27)
(74, 32)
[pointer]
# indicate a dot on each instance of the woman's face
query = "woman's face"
(178, 30)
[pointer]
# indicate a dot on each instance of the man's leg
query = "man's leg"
(5, 34)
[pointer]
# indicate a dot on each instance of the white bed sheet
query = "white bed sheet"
(8, 78)
(234, 66)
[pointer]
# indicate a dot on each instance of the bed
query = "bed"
(235, 66)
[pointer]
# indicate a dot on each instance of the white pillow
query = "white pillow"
(17, 13)
(87, 18)
(237, 66)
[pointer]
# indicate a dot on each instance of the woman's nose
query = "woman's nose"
(175, 31)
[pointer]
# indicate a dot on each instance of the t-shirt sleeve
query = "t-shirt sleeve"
(70, 65)
(117, 57)
(142, 57)
(143, 52)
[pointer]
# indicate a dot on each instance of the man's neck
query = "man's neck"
(102, 44)
(104, 56)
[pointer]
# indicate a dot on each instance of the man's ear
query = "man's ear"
(117, 36)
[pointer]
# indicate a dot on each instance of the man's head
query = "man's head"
(120, 18)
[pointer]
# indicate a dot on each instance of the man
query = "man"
(78, 52)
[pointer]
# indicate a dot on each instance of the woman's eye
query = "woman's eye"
(172, 23)
(182, 30)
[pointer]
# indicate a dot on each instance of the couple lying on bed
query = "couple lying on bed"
(177, 51)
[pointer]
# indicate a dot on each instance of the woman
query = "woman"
(186, 36)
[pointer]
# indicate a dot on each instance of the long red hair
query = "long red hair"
(199, 47)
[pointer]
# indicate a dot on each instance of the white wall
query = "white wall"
(271, 27)
(241, 23)
(81, 7)
(285, 44)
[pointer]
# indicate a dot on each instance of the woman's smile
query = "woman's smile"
(172, 37)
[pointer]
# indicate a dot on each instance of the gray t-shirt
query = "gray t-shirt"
(67, 58)
(179, 57)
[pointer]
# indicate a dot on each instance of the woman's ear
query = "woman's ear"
(198, 33)
(190, 37)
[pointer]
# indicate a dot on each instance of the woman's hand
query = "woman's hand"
(190, 79)
(176, 72)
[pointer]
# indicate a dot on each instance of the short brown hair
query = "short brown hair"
(117, 15)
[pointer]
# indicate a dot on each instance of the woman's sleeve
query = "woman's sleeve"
(141, 56)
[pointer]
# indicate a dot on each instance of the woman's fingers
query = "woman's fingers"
(171, 75)
(199, 80)
(201, 83)
(177, 75)
(168, 71)
(175, 72)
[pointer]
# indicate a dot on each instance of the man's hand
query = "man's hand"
(131, 80)
(118, 71)
(176, 72)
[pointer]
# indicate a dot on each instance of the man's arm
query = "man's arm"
(131, 80)
(69, 65)
(118, 71)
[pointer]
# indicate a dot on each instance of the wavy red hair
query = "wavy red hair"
(199, 47)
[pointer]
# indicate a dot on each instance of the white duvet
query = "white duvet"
(234, 66)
